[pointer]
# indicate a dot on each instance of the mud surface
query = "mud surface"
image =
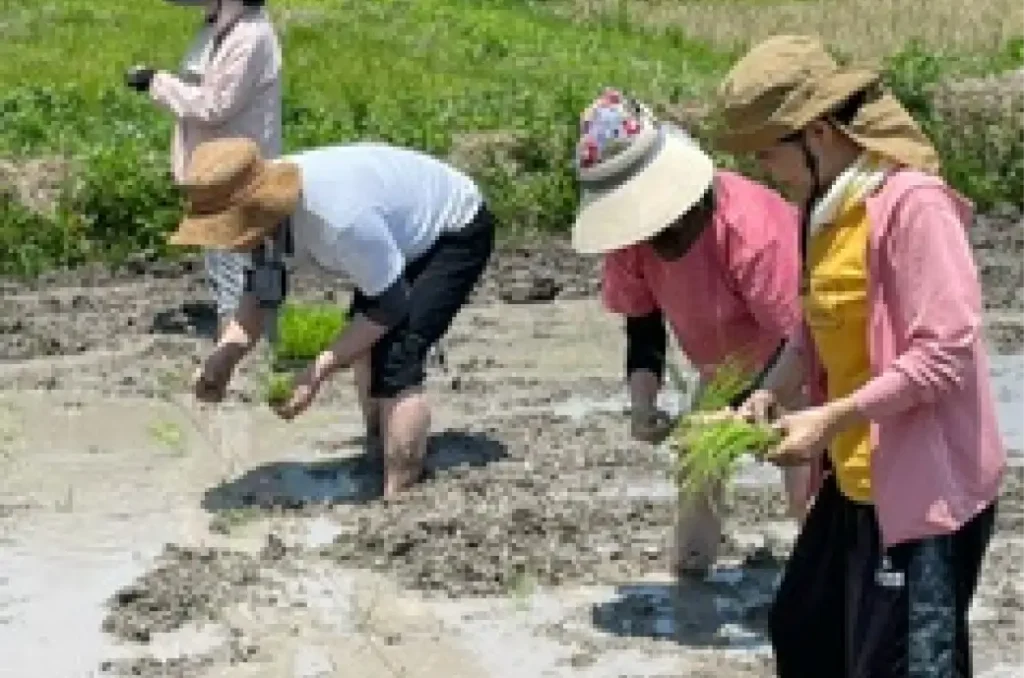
(534, 492)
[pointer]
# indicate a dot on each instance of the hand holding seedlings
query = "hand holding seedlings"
(304, 388)
(711, 438)
(807, 433)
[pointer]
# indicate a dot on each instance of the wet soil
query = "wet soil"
(522, 492)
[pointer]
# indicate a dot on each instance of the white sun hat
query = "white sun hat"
(637, 175)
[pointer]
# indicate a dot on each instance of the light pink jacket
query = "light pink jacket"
(239, 94)
(938, 458)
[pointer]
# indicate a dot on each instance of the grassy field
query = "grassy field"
(866, 29)
(495, 84)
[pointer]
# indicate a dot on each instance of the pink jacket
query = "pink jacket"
(938, 458)
(734, 293)
(239, 94)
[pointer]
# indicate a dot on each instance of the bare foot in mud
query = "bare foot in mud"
(401, 473)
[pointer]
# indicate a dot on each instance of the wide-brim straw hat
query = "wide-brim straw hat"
(788, 81)
(636, 175)
(234, 197)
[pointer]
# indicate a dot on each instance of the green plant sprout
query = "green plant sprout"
(278, 388)
(708, 447)
(168, 434)
(305, 330)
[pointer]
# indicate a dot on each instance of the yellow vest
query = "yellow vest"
(835, 307)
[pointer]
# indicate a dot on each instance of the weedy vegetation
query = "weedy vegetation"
(495, 86)
(708, 441)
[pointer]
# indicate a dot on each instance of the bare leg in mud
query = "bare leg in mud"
(406, 427)
(370, 407)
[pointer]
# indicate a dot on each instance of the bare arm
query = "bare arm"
(240, 335)
(787, 378)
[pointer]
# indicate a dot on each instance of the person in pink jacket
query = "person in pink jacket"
(709, 253)
(902, 427)
(228, 85)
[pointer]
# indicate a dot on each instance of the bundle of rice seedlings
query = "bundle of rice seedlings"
(708, 445)
(278, 388)
(303, 332)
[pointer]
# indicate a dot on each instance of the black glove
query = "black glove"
(139, 78)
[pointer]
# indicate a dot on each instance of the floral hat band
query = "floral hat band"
(617, 134)
(636, 174)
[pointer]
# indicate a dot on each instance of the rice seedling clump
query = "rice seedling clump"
(707, 445)
(306, 330)
(303, 332)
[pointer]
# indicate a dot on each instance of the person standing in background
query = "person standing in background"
(228, 85)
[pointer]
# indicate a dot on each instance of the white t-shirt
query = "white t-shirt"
(367, 209)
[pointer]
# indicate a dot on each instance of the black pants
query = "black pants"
(846, 609)
(440, 282)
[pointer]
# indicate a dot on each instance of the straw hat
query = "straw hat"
(788, 81)
(636, 175)
(235, 197)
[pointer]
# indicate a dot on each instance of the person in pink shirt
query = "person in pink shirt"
(902, 427)
(228, 85)
(708, 253)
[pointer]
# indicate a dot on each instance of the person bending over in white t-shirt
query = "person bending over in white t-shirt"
(412, 233)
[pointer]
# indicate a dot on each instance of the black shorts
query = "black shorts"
(440, 282)
(846, 609)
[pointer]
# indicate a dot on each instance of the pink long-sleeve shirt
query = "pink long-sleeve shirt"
(937, 458)
(239, 95)
(734, 293)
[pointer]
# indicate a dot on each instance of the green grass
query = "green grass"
(498, 84)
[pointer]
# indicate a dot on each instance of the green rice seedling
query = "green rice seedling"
(305, 330)
(708, 447)
(278, 388)
(729, 379)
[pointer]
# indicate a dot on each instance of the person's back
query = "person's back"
(416, 195)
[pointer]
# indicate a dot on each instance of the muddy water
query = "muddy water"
(536, 546)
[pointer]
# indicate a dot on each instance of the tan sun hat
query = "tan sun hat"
(636, 175)
(234, 196)
(787, 81)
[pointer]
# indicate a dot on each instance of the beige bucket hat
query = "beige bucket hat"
(636, 175)
(787, 81)
(234, 196)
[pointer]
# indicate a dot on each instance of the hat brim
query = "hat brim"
(649, 202)
(272, 201)
(826, 95)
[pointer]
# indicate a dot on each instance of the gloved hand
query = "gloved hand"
(139, 78)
